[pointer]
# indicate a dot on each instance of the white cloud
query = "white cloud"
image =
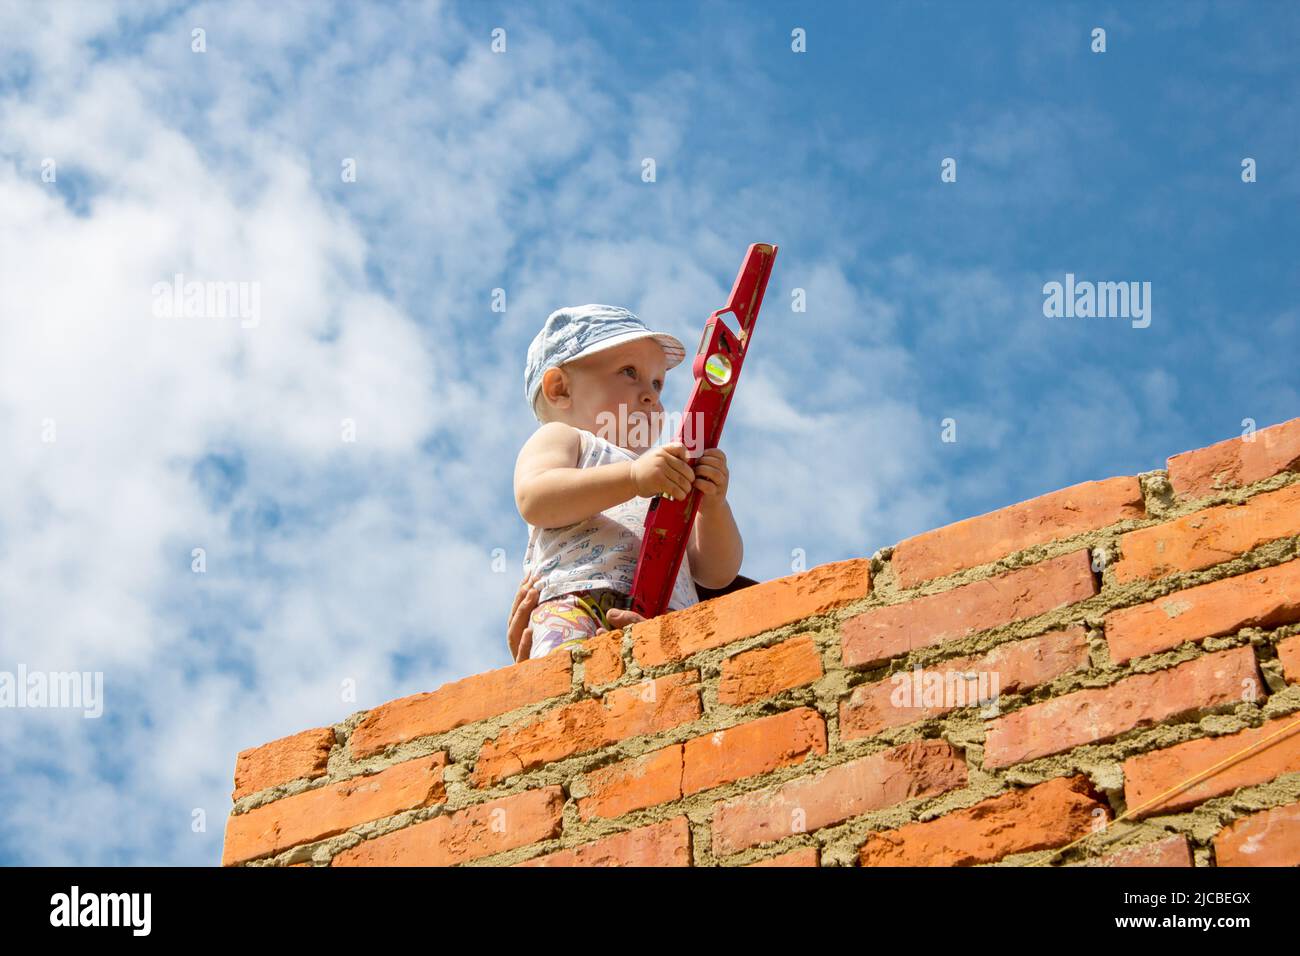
(99, 523)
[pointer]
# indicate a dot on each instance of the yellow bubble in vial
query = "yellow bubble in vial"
(717, 368)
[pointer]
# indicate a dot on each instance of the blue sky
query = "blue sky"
(367, 567)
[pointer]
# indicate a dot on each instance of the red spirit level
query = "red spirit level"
(716, 369)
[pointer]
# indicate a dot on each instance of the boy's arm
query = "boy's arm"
(715, 549)
(551, 491)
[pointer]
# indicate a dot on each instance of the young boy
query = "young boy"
(584, 479)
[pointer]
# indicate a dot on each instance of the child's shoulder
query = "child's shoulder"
(559, 429)
(553, 443)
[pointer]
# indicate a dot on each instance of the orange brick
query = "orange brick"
(289, 758)
(1268, 838)
(910, 771)
(711, 760)
(1288, 652)
(1148, 776)
(804, 856)
(758, 746)
(629, 785)
(1206, 538)
(1099, 714)
(765, 671)
(1007, 669)
(1235, 462)
(1053, 517)
(1173, 850)
(1265, 598)
(316, 814)
(463, 702)
(885, 632)
(1048, 815)
(749, 611)
(605, 665)
(648, 707)
(660, 844)
(476, 831)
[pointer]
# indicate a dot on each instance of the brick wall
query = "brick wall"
(1033, 685)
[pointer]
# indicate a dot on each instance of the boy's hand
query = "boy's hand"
(663, 471)
(711, 478)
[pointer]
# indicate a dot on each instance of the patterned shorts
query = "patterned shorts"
(570, 619)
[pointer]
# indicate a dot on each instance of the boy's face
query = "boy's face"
(628, 376)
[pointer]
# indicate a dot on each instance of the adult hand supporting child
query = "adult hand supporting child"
(620, 618)
(519, 633)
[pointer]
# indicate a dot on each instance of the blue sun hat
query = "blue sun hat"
(578, 330)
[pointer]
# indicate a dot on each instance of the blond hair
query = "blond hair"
(541, 407)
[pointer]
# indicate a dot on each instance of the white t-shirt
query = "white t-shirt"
(600, 551)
